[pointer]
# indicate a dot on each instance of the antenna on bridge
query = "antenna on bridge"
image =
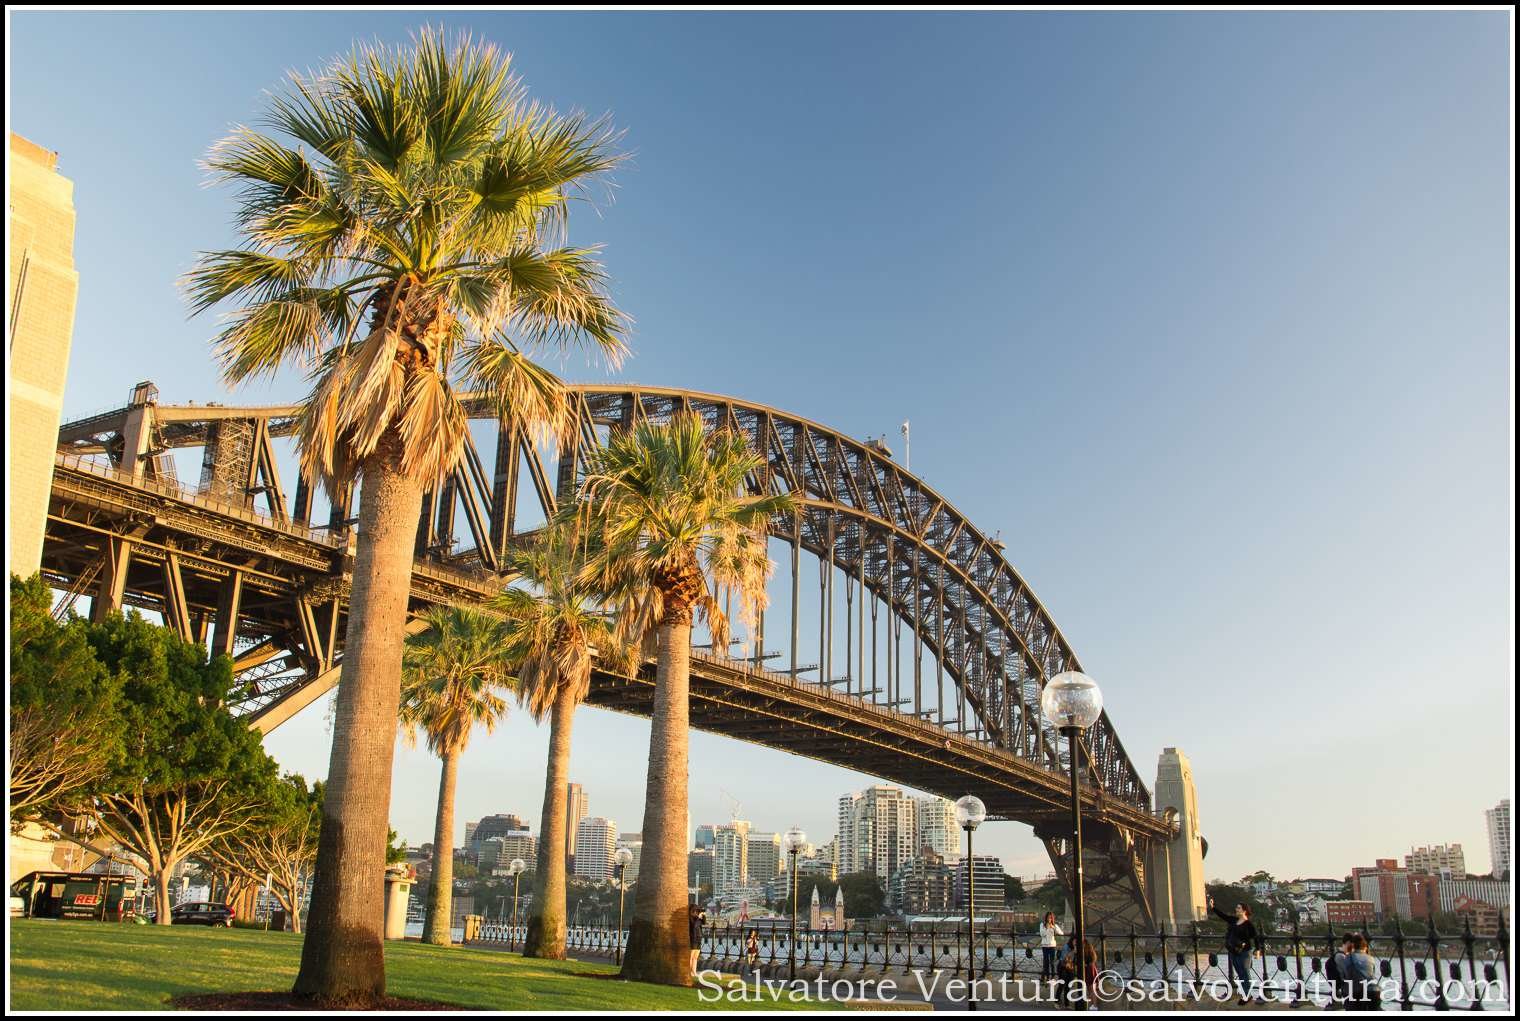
(907, 447)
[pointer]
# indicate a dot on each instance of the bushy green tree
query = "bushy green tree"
(188, 772)
(63, 730)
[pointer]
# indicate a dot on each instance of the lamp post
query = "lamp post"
(969, 813)
(1073, 703)
(792, 842)
(620, 863)
(515, 869)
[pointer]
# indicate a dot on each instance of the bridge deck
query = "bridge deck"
(93, 502)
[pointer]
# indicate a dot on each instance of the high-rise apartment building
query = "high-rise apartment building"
(878, 831)
(765, 858)
(937, 829)
(1500, 839)
(635, 844)
(577, 806)
(986, 881)
(1444, 860)
(731, 857)
(595, 844)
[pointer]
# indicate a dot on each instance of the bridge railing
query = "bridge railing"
(1425, 970)
(174, 490)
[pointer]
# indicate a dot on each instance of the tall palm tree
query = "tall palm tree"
(401, 238)
(453, 679)
(675, 529)
(553, 632)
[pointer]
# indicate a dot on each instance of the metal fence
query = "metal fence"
(1419, 970)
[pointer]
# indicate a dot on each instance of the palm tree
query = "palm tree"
(401, 233)
(674, 529)
(453, 676)
(552, 634)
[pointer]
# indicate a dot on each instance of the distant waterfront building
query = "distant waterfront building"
(595, 844)
(706, 837)
(635, 844)
(496, 853)
(1482, 918)
(765, 858)
(924, 885)
(986, 882)
(1348, 914)
(699, 869)
(1444, 860)
(492, 826)
(1500, 839)
(41, 289)
(578, 806)
(878, 831)
(1324, 887)
(731, 857)
(1493, 892)
(937, 829)
(1395, 891)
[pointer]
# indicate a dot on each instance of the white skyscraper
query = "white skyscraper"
(936, 827)
(878, 831)
(595, 844)
(731, 857)
(1499, 839)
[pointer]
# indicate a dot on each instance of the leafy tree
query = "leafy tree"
(673, 528)
(395, 848)
(864, 896)
(455, 675)
(188, 773)
(63, 730)
(1013, 889)
(401, 232)
(552, 633)
(279, 844)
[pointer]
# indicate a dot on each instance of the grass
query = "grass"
(77, 965)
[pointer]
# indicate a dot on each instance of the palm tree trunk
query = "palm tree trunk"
(440, 905)
(342, 958)
(658, 945)
(546, 929)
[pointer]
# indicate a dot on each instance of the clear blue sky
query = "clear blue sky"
(1207, 314)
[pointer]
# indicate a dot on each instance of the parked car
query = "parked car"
(200, 912)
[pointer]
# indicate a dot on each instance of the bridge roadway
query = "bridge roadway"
(187, 540)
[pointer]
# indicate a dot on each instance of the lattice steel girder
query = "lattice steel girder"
(817, 722)
(860, 512)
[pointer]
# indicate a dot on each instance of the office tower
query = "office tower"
(595, 844)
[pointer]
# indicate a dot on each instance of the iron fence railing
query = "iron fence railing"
(1423, 970)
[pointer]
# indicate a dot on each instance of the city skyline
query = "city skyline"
(1280, 415)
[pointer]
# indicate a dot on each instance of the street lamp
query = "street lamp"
(792, 842)
(1073, 703)
(620, 862)
(969, 814)
(515, 869)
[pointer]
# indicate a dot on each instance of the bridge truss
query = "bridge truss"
(931, 649)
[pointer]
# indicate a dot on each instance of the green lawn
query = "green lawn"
(93, 966)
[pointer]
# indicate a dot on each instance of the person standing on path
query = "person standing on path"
(1050, 936)
(1241, 941)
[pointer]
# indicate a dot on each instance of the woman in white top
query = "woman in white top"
(1050, 934)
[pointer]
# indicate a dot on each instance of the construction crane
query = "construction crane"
(736, 811)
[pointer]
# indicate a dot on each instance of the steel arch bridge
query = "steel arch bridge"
(928, 675)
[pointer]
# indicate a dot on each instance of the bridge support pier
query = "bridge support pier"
(1180, 860)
